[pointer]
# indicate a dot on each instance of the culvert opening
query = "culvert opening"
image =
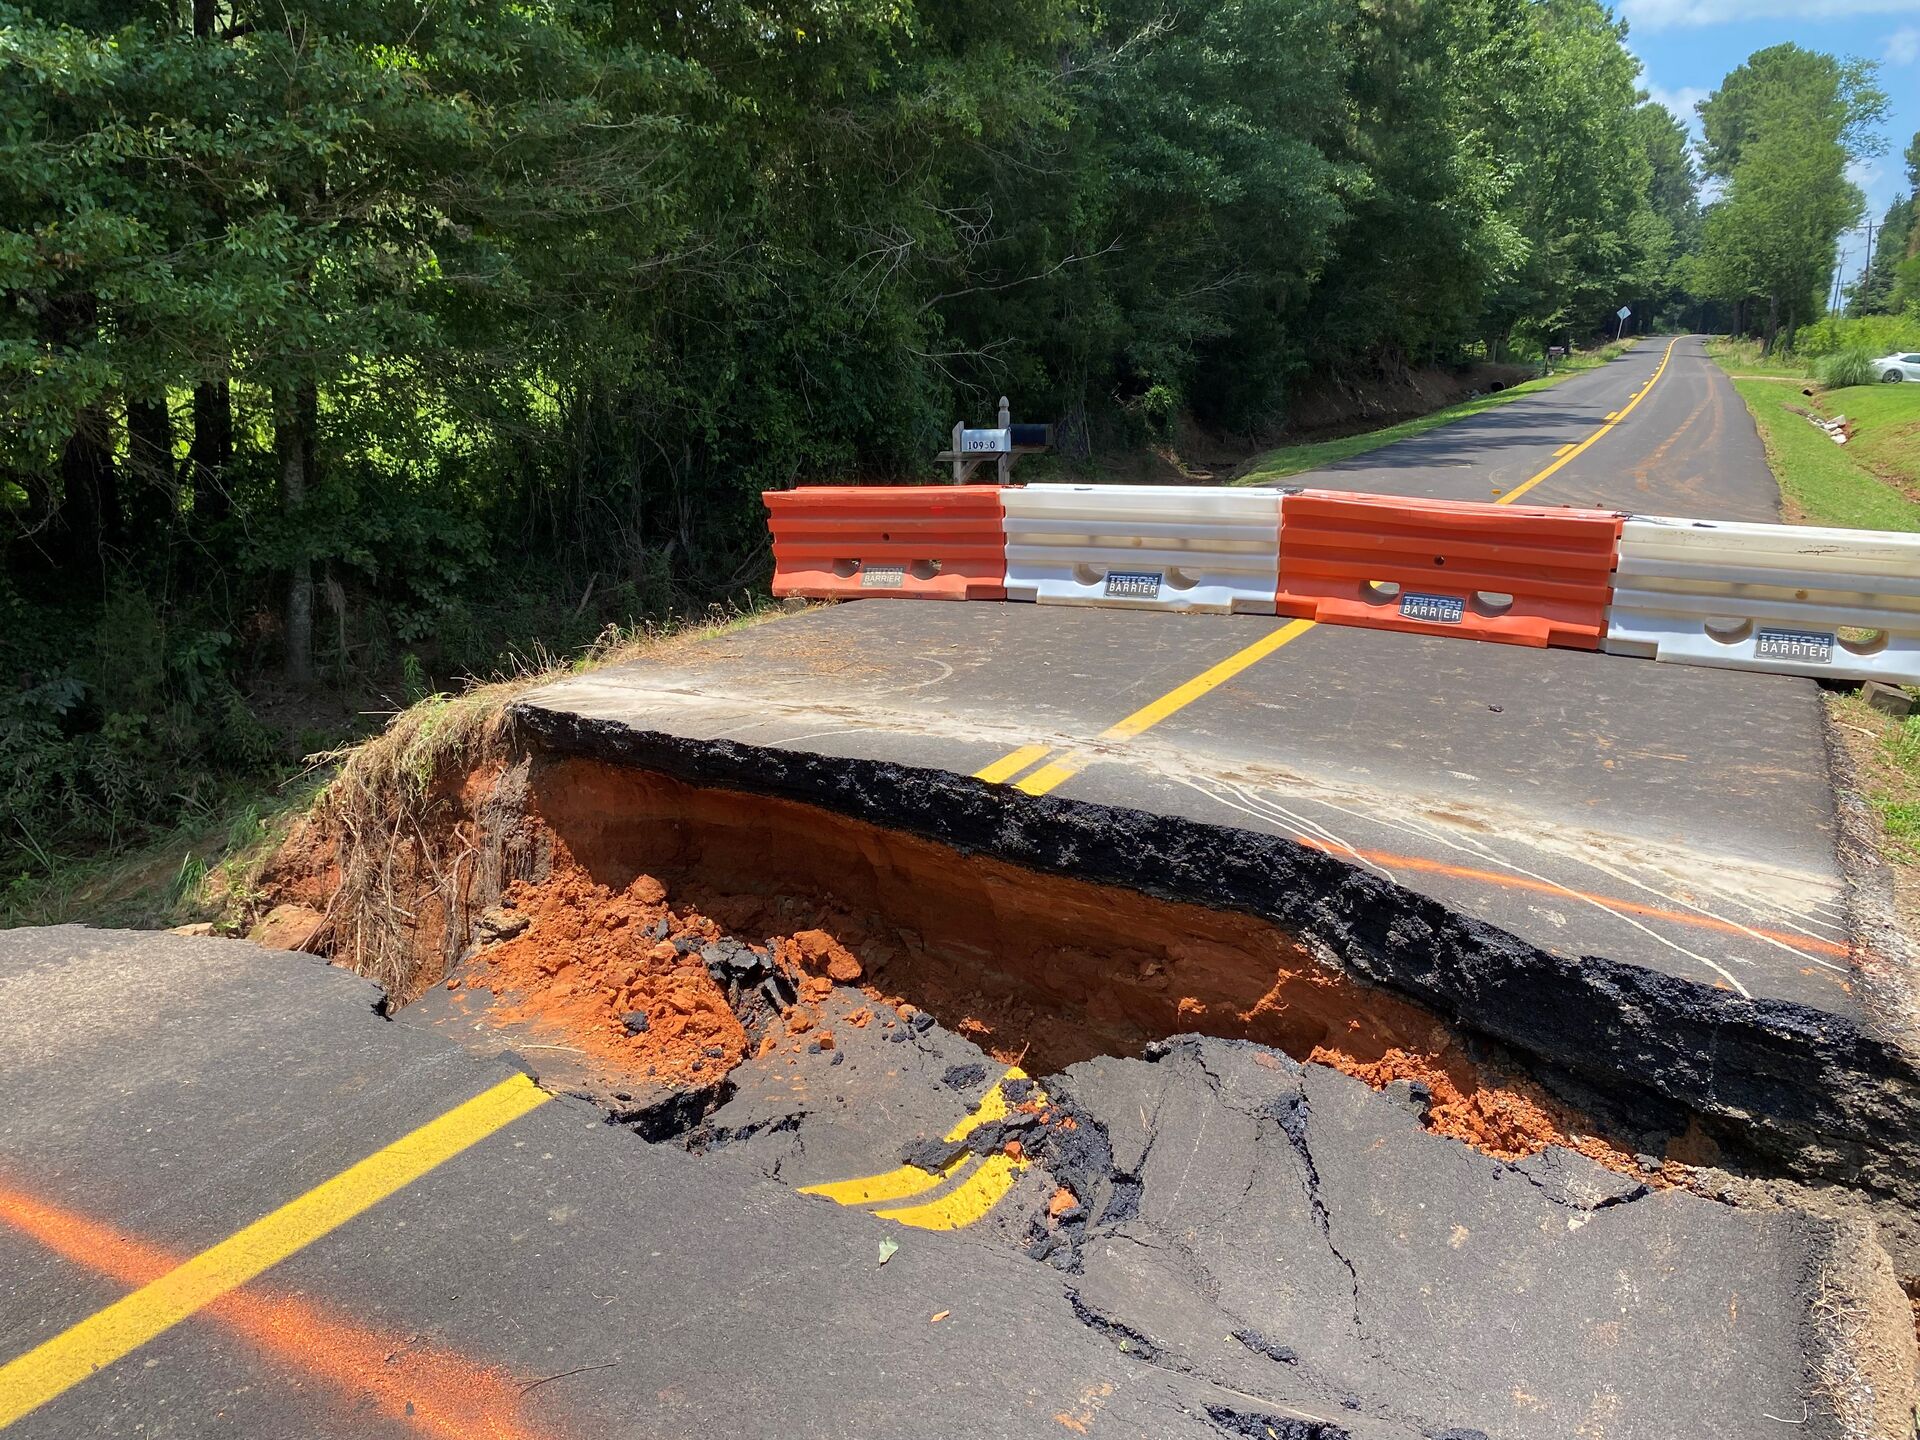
(664, 932)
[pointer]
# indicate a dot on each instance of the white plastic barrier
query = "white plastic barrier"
(1792, 599)
(1153, 547)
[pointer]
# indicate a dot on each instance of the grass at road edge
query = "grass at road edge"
(1872, 483)
(1313, 454)
(206, 872)
(1886, 761)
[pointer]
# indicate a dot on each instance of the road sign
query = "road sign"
(1624, 311)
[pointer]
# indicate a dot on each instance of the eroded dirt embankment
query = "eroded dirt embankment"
(1038, 969)
(596, 906)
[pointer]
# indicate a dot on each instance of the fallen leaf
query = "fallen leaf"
(888, 1249)
(941, 1316)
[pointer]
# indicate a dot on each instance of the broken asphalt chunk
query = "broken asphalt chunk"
(965, 1077)
(932, 1156)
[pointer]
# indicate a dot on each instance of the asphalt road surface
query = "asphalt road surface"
(390, 1236)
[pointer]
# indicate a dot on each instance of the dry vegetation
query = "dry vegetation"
(385, 848)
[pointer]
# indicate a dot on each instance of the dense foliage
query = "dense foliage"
(1779, 132)
(346, 333)
(1891, 285)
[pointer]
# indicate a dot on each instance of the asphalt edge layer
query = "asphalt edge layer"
(1771, 1082)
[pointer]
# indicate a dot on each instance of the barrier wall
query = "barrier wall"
(1151, 547)
(1788, 598)
(921, 542)
(1516, 575)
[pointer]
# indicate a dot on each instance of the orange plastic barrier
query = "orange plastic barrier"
(1514, 574)
(916, 542)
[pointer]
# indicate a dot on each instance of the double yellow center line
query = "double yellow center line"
(1071, 762)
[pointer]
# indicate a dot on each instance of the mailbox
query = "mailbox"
(999, 445)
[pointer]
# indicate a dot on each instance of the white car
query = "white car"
(1894, 368)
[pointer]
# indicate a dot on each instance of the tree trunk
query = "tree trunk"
(293, 407)
(1773, 324)
(152, 494)
(90, 496)
(209, 453)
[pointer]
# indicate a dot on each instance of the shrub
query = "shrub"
(1154, 413)
(1843, 368)
(1872, 335)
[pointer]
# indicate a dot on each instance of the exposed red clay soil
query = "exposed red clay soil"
(618, 976)
(589, 958)
(1038, 970)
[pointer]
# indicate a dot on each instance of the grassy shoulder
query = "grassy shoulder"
(1873, 483)
(1312, 455)
(211, 872)
(207, 872)
(1886, 759)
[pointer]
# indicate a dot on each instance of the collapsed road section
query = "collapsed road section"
(1704, 1072)
(1260, 1075)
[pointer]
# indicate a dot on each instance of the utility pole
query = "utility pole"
(1840, 267)
(1867, 268)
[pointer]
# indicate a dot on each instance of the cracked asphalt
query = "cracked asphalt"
(1255, 1247)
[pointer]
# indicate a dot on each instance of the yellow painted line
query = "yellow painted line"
(910, 1180)
(1058, 772)
(966, 1202)
(57, 1365)
(1612, 420)
(1152, 713)
(1007, 766)
(899, 1184)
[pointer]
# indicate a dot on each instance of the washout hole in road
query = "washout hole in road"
(671, 934)
(849, 1001)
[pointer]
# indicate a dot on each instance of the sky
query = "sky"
(1686, 46)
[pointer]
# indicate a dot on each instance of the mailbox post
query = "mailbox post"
(1003, 444)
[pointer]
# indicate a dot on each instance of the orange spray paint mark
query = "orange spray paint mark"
(1807, 944)
(437, 1393)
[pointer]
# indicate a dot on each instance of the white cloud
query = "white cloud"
(1665, 14)
(1866, 174)
(1681, 103)
(1903, 46)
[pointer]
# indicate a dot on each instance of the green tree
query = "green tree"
(1580, 179)
(1780, 131)
(1876, 292)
